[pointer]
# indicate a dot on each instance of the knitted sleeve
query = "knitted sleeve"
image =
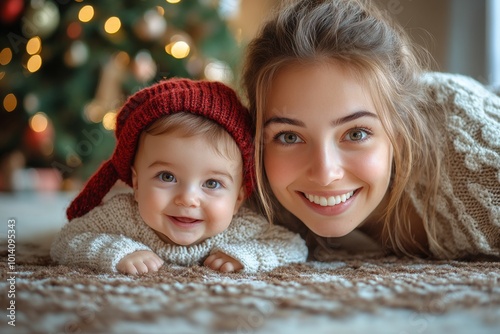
(258, 245)
(98, 239)
(468, 202)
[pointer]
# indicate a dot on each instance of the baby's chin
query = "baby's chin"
(176, 241)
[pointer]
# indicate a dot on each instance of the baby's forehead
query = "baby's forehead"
(227, 148)
(221, 146)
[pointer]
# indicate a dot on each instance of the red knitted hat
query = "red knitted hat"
(212, 100)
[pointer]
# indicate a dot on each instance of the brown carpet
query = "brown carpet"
(50, 298)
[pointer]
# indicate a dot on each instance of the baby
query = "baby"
(185, 147)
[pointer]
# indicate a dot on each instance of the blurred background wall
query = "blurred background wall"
(458, 33)
(463, 36)
(66, 66)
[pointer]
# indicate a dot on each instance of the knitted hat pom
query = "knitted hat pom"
(212, 100)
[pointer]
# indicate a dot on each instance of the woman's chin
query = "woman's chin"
(337, 232)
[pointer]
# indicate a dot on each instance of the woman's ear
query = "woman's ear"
(134, 182)
(239, 199)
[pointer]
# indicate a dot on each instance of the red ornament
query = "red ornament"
(10, 10)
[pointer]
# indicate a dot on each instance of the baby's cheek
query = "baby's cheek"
(218, 215)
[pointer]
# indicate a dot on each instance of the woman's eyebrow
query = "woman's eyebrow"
(352, 117)
(336, 122)
(284, 120)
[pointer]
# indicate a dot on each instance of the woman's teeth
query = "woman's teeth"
(329, 201)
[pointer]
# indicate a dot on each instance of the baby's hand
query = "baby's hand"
(222, 262)
(139, 262)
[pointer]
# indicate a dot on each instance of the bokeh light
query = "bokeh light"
(39, 122)
(5, 56)
(34, 45)
(86, 13)
(109, 120)
(10, 102)
(74, 30)
(112, 25)
(34, 63)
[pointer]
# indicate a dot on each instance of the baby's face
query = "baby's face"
(186, 191)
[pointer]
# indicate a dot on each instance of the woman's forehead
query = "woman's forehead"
(314, 87)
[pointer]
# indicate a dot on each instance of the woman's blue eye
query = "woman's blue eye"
(288, 138)
(166, 177)
(212, 184)
(357, 135)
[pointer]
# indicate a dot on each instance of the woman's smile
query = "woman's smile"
(331, 205)
(329, 200)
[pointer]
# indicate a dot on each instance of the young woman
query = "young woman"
(352, 133)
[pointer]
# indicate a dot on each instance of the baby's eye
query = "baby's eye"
(357, 135)
(288, 138)
(166, 177)
(212, 184)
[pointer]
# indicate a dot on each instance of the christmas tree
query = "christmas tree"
(67, 66)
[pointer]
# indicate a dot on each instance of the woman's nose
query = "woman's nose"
(188, 197)
(325, 165)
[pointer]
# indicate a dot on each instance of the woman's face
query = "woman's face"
(326, 154)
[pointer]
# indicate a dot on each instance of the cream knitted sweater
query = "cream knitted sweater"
(468, 204)
(102, 237)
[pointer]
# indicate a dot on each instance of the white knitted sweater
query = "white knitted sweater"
(468, 204)
(102, 237)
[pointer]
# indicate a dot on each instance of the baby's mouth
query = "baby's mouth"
(185, 220)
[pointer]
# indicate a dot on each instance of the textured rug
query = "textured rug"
(350, 293)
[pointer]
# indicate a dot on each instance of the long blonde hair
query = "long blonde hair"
(360, 36)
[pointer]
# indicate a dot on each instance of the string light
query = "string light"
(34, 45)
(112, 25)
(10, 102)
(5, 56)
(86, 13)
(173, 1)
(39, 122)
(178, 47)
(34, 63)
(109, 120)
(180, 50)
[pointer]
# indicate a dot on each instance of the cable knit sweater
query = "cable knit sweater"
(468, 204)
(102, 237)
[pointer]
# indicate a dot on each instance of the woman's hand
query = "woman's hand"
(139, 262)
(222, 262)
